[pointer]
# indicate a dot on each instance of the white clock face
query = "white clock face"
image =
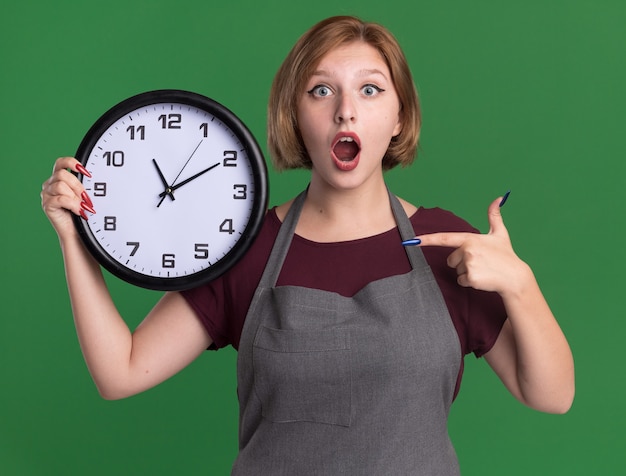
(173, 189)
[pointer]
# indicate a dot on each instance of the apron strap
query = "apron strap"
(288, 228)
(415, 254)
(281, 245)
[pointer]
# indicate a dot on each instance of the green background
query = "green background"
(528, 96)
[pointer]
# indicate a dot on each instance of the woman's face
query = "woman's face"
(347, 115)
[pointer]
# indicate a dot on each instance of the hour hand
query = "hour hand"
(168, 189)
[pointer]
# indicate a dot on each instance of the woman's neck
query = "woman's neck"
(331, 215)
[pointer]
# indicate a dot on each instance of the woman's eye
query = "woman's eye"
(371, 90)
(320, 91)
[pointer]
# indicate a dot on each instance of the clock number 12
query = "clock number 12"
(170, 121)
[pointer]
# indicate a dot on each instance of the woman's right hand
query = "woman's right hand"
(63, 194)
(121, 363)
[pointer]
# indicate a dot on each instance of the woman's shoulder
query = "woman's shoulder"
(435, 220)
(280, 211)
(268, 232)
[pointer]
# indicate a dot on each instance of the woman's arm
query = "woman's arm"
(531, 355)
(121, 363)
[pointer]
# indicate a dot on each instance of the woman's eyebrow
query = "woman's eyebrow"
(360, 73)
(370, 72)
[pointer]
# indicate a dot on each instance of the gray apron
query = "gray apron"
(331, 385)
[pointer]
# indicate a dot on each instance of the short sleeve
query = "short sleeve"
(208, 303)
(478, 316)
(486, 317)
(222, 304)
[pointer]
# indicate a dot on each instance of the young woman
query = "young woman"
(350, 344)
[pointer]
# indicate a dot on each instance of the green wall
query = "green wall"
(528, 96)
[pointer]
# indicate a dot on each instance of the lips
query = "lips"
(346, 149)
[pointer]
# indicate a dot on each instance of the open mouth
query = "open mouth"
(346, 149)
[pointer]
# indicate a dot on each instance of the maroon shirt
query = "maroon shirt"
(345, 268)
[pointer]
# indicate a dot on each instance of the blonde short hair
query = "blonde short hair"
(284, 139)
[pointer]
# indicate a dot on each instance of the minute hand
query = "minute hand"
(186, 181)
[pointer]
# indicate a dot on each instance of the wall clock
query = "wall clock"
(179, 185)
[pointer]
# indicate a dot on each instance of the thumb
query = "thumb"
(496, 223)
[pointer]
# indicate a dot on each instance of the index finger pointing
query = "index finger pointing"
(445, 239)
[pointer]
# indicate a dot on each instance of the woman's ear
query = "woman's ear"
(398, 128)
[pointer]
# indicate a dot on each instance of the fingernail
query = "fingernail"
(86, 199)
(83, 214)
(87, 207)
(504, 199)
(81, 169)
(411, 242)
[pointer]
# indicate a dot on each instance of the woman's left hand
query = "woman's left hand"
(531, 355)
(483, 261)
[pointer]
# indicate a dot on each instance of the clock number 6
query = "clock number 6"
(168, 260)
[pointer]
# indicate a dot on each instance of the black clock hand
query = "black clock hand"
(181, 170)
(168, 189)
(186, 181)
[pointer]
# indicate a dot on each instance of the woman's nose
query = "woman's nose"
(346, 111)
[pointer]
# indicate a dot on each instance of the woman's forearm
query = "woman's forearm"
(105, 339)
(532, 355)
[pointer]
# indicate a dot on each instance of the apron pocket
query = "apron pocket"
(303, 375)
